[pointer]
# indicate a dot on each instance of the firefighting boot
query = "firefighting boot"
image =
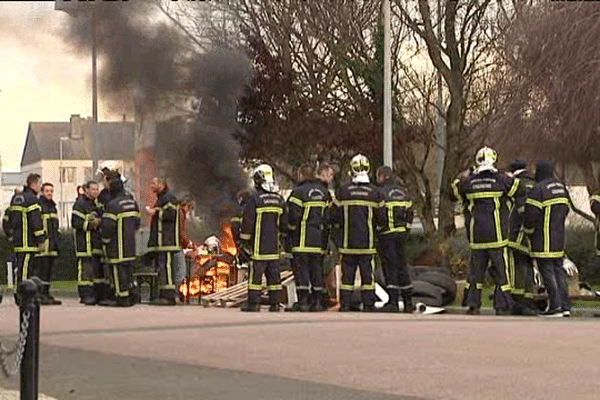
(319, 302)
(345, 299)
(303, 300)
(407, 300)
(274, 308)
(368, 298)
(392, 304)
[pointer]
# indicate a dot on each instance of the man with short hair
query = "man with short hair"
(326, 174)
(164, 239)
(44, 260)
(25, 223)
(86, 219)
(308, 223)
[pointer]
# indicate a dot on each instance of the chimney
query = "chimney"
(76, 127)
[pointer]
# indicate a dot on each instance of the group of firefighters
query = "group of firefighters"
(515, 225)
(105, 224)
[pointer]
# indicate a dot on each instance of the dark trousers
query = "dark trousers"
(272, 270)
(92, 282)
(24, 267)
(392, 252)
(498, 271)
(121, 279)
(555, 281)
(165, 261)
(350, 263)
(308, 271)
(43, 269)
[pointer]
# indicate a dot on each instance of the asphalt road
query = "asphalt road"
(213, 353)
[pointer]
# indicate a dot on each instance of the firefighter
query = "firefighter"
(396, 217)
(26, 227)
(546, 210)
(520, 261)
(236, 220)
(487, 192)
(86, 219)
(44, 260)
(120, 222)
(164, 240)
(356, 216)
(308, 222)
(263, 224)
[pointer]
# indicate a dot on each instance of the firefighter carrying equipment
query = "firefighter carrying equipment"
(164, 227)
(545, 213)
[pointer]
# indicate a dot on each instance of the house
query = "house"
(61, 152)
(9, 181)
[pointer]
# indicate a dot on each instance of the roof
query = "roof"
(115, 142)
(11, 179)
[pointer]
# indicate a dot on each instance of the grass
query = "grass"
(65, 285)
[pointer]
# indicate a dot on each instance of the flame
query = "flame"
(211, 271)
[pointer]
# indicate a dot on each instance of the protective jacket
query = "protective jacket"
(104, 197)
(545, 214)
(120, 221)
(488, 196)
(356, 217)
(50, 224)
(397, 213)
(517, 238)
(595, 206)
(164, 227)
(308, 216)
(87, 237)
(263, 225)
(236, 220)
(25, 222)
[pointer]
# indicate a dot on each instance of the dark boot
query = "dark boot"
(407, 300)
(274, 308)
(319, 302)
(303, 300)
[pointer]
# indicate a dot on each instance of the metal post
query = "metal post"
(94, 94)
(388, 153)
(60, 181)
(30, 305)
(440, 120)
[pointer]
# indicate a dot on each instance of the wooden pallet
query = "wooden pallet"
(237, 294)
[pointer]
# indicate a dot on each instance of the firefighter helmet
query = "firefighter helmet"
(360, 166)
(263, 178)
(486, 157)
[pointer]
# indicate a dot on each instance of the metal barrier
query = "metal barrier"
(26, 350)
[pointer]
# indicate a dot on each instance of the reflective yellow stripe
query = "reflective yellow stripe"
(454, 186)
(26, 266)
(245, 236)
(514, 187)
(169, 269)
(295, 201)
(497, 221)
(490, 245)
(547, 229)
(299, 249)
(346, 227)
(534, 203)
(360, 203)
(370, 226)
(507, 268)
(110, 216)
(484, 195)
(558, 200)
(257, 231)
(347, 287)
(551, 254)
(303, 226)
(274, 287)
(357, 251)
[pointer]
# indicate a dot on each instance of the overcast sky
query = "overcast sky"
(41, 77)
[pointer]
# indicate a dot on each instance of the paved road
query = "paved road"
(212, 353)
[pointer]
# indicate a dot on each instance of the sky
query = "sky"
(41, 77)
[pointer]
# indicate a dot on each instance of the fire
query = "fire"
(211, 271)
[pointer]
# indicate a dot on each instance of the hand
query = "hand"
(569, 267)
(151, 210)
(96, 222)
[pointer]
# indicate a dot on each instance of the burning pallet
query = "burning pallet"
(236, 294)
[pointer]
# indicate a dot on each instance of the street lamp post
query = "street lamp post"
(61, 180)
(388, 153)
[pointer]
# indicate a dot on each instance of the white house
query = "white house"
(61, 152)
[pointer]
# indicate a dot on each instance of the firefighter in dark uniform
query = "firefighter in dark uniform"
(489, 193)
(520, 261)
(164, 239)
(396, 217)
(308, 223)
(86, 220)
(545, 214)
(44, 260)
(28, 233)
(120, 222)
(263, 224)
(356, 217)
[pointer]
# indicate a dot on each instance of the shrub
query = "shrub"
(581, 250)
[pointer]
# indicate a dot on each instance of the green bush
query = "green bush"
(581, 250)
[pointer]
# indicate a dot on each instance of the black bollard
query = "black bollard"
(30, 304)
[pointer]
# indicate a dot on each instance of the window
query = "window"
(67, 175)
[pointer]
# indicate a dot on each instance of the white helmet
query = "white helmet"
(360, 169)
(486, 157)
(213, 244)
(263, 177)
(105, 166)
